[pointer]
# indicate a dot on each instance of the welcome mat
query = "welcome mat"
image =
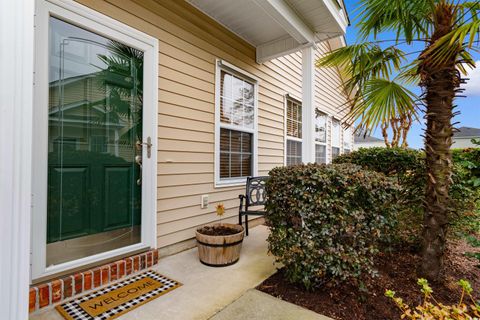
(119, 298)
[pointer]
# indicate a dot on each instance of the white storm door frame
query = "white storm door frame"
(91, 20)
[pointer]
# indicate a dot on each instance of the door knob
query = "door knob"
(148, 144)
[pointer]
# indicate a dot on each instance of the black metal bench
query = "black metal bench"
(255, 195)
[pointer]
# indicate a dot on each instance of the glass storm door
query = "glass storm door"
(94, 151)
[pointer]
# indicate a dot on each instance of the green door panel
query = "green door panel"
(118, 191)
(68, 208)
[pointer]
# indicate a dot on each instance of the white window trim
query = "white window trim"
(287, 97)
(347, 137)
(91, 20)
(339, 145)
(219, 66)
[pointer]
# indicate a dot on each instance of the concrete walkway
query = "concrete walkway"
(205, 290)
(258, 305)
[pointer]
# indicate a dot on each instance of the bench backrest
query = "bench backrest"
(255, 191)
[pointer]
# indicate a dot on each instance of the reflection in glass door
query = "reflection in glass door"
(95, 121)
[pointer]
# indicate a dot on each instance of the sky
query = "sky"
(469, 107)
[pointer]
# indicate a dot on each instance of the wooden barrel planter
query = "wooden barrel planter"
(220, 250)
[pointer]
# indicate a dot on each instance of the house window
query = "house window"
(336, 144)
(294, 152)
(347, 140)
(320, 137)
(236, 97)
(294, 132)
(235, 153)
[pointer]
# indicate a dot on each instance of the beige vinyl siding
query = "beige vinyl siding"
(189, 43)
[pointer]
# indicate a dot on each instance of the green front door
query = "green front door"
(95, 122)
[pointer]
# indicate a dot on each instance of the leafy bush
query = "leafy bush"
(408, 168)
(469, 159)
(467, 162)
(327, 221)
(431, 309)
(390, 161)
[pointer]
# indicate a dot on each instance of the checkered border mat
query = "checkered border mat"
(72, 309)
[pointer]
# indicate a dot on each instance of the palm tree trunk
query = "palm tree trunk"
(385, 134)
(440, 83)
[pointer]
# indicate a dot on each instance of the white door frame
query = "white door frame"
(89, 19)
(16, 94)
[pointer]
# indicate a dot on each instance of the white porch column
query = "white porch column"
(308, 104)
(16, 96)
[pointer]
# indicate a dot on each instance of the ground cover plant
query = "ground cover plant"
(465, 309)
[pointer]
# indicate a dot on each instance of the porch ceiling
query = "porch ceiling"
(278, 27)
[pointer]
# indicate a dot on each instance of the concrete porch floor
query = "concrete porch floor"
(205, 290)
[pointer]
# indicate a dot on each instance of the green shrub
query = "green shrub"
(405, 165)
(390, 161)
(469, 159)
(408, 168)
(327, 221)
(467, 162)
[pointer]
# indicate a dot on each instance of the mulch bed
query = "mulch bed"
(397, 271)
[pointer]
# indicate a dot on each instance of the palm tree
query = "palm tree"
(123, 75)
(377, 76)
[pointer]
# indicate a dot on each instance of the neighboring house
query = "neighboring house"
(367, 142)
(143, 108)
(463, 137)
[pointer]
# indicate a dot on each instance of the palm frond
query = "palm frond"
(410, 19)
(362, 62)
(454, 43)
(409, 73)
(383, 100)
(467, 11)
(466, 60)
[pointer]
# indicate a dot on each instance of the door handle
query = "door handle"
(138, 158)
(148, 144)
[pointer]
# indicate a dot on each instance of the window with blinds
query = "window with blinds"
(236, 126)
(320, 126)
(236, 101)
(235, 153)
(320, 137)
(294, 132)
(347, 140)
(335, 152)
(294, 119)
(294, 152)
(320, 153)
